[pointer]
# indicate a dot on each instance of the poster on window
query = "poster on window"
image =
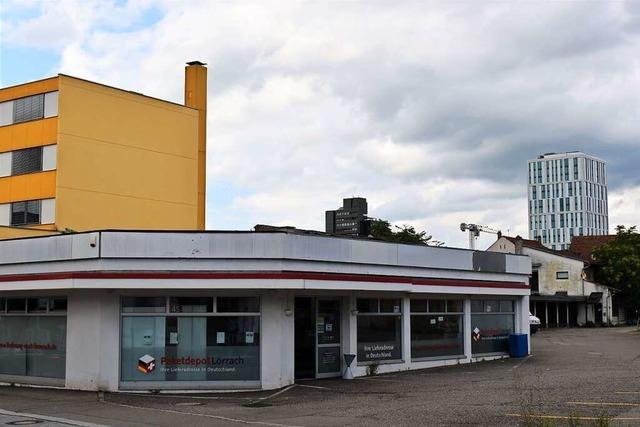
(490, 333)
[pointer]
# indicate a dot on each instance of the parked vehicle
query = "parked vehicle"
(534, 323)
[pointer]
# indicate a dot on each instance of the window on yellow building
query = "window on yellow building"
(23, 213)
(26, 161)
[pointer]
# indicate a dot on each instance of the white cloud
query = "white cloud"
(430, 110)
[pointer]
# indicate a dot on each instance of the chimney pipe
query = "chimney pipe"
(195, 96)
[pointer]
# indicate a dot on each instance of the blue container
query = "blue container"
(518, 345)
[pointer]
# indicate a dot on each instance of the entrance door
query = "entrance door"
(317, 338)
(328, 361)
(305, 338)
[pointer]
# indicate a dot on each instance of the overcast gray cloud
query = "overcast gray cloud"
(430, 110)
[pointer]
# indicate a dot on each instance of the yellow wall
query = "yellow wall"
(16, 232)
(28, 89)
(29, 134)
(30, 186)
(124, 160)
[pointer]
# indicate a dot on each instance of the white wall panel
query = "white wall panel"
(48, 213)
(6, 113)
(50, 104)
(5, 214)
(49, 155)
(5, 164)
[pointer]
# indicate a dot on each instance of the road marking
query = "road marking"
(48, 418)
(313, 386)
(519, 364)
(194, 414)
(567, 417)
(378, 379)
(604, 403)
(627, 392)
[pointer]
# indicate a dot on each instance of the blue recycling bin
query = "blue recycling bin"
(518, 345)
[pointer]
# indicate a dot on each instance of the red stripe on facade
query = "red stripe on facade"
(276, 275)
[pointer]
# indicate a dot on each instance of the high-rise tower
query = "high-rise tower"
(567, 195)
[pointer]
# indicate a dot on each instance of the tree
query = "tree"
(381, 229)
(618, 265)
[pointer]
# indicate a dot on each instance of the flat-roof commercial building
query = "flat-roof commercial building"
(80, 155)
(133, 310)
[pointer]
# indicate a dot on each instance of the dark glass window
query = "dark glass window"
(191, 305)
(57, 304)
(26, 161)
(37, 305)
(238, 305)
(233, 331)
(506, 306)
(367, 305)
(477, 306)
(2, 305)
(390, 306)
(23, 213)
(28, 108)
(144, 304)
(562, 275)
(437, 306)
(16, 305)
(379, 338)
(454, 306)
(419, 305)
(436, 335)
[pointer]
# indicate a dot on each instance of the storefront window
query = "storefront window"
(436, 328)
(379, 329)
(492, 321)
(32, 344)
(193, 341)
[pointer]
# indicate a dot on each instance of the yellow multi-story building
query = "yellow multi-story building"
(77, 155)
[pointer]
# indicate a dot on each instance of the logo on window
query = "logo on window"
(476, 334)
(146, 364)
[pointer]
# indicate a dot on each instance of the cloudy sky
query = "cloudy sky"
(428, 109)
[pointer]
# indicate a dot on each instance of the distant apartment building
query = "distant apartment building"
(567, 195)
(350, 219)
(78, 155)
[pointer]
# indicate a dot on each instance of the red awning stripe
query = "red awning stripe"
(264, 275)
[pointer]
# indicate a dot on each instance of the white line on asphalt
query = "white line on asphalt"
(52, 419)
(569, 417)
(604, 403)
(313, 386)
(217, 417)
(627, 392)
(525, 359)
(277, 393)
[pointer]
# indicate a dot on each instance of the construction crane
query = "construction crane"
(474, 231)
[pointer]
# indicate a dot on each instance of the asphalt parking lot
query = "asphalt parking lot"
(575, 377)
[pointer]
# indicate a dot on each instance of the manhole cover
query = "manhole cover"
(23, 422)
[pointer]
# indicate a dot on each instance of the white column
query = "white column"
(93, 341)
(467, 327)
(277, 340)
(406, 330)
(349, 329)
(546, 314)
(523, 313)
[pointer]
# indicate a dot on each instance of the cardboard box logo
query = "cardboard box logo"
(146, 364)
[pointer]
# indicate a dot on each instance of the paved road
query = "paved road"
(580, 373)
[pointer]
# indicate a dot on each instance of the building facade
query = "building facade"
(350, 219)
(563, 293)
(78, 155)
(567, 194)
(123, 310)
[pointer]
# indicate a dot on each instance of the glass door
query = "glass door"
(328, 360)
